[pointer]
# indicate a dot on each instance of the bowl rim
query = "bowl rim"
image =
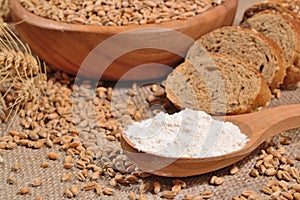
(45, 23)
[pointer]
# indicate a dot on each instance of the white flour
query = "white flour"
(188, 133)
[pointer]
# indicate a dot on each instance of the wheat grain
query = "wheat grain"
(118, 13)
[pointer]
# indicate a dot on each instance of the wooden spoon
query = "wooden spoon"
(258, 126)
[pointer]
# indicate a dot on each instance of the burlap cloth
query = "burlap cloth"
(53, 188)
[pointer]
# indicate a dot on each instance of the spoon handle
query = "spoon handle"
(269, 122)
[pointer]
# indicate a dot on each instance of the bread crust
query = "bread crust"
(262, 6)
(292, 77)
(293, 5)
(293, 69)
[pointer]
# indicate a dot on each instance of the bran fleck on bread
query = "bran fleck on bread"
(285, 32)
(249, 45)
(217, 84)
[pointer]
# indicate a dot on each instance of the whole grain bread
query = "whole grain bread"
(249, 45)
(265, 5)
(285, 32)
(292, 5)
(217, 84)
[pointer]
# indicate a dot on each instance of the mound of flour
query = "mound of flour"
(188, 133)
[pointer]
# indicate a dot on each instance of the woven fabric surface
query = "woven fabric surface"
(53, 188)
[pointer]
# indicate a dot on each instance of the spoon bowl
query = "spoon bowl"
(258, 126)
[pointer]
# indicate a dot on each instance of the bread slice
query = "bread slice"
(249, 45)
(278, 28)
(285, 32)
(262, 6)
(217, 84)
(292, 5)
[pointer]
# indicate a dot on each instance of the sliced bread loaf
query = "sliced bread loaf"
(217, 84)
(249, 45)
(285, 32)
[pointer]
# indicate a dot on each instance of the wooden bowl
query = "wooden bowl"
(68, 47)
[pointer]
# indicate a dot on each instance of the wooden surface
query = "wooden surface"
(258, 126)
(66, 46)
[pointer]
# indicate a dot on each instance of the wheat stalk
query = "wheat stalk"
(4, 9)
(21, 75)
